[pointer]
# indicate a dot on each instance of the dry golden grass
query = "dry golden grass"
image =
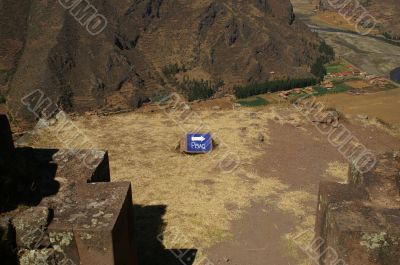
(198, 195)
(382, 105)
(301, 205)
(338, 171)
(194, 189)
(358, 84)
(392, 129)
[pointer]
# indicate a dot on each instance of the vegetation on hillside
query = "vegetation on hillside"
(336, 67)
(258, 101)
(2, 99)
(272, 86)
(172, 69)
(194, 89)
(318, 69)
(199, 89)
(391, 36)
(327, 54)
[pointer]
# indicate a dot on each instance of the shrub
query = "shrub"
(172, 69)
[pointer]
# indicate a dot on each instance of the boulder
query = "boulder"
(331, 117)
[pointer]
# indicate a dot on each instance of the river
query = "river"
(316, 28)
(395, 75)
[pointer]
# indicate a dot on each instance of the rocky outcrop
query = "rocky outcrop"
(121, 66)
(358, 223)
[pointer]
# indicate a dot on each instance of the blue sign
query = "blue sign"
(199, 143)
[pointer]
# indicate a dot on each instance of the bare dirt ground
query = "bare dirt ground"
(247, 216)
(300, 158)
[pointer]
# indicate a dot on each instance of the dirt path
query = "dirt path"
(255, 238)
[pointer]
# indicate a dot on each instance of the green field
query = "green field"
(273, 98)
(253, 102)
(319, 91)
(336, 68)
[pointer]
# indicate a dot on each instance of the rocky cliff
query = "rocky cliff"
(48, 45)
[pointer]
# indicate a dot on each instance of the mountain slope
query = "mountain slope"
(234, 41)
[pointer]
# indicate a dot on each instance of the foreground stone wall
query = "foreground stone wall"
(359, 223)
(76, 215)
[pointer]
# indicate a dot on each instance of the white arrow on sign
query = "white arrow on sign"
(198, 139)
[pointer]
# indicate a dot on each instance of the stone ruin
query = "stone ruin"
(358, 223)
(59, 207)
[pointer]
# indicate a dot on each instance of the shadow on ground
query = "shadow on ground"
(26, 177)
(149, 230)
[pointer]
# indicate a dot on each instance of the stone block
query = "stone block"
(83, 165)
(359, 223)
(30, 227)
(331, 192)
(91, 219)
(382, 182)
(63, 242)
(70, 171)
(101, 223)
(357, 235)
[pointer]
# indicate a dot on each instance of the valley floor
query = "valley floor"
(372, 55)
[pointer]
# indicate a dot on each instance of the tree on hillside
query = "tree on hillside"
(327, 52)
(318, 69)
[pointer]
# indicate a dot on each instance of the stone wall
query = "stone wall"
(74, 214)
(359, 223)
